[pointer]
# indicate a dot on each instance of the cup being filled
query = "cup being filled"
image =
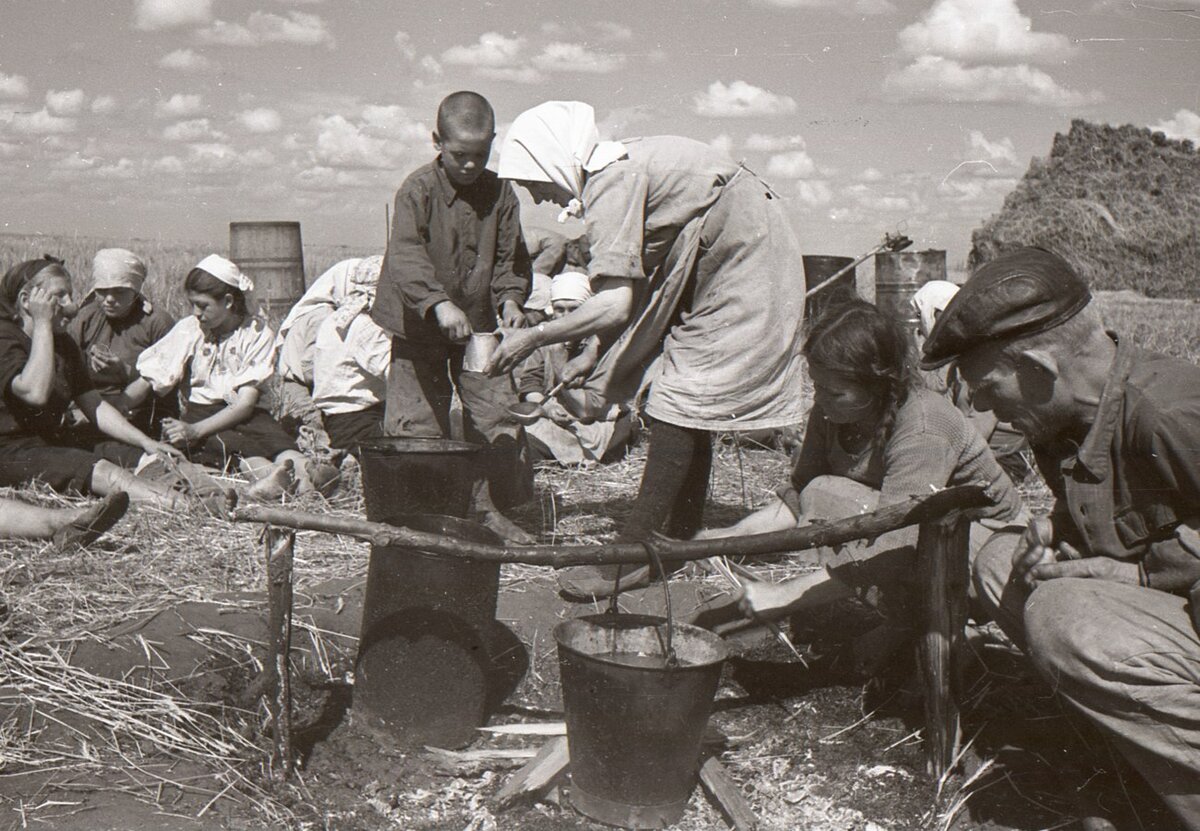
(479, 350)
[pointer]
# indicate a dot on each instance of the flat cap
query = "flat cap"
(1022, 292)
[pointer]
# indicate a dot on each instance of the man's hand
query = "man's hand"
(179, 433)
(512, 316)
(577, 370)
(1098, 568)
(515, 346)
(452, 321)
(1034, 548)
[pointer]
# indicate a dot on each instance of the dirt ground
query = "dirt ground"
(810, 746)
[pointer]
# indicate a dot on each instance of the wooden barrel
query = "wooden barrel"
(818, 268)
(270, 253)
(898, 276)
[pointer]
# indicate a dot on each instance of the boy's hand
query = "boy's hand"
(452, 321)
(512, 316)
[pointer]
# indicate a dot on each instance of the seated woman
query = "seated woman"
(114, 325)
(42, 371)
(557, 435)
(222, 355)
(874, 436)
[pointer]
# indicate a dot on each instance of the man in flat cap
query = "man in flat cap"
(1097, 592)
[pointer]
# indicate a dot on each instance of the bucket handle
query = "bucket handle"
(651, 547)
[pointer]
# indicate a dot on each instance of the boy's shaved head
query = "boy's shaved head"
(464, 114)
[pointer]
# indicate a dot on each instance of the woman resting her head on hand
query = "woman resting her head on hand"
(225, 354)
(874, 436)
(42, 372)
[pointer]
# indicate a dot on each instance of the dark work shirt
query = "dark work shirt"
(462, 245)
(1131, 489)
(70, 380)
(125, 338)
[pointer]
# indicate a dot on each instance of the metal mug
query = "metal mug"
(479, 351)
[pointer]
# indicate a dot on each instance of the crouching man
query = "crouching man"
(1097, 592)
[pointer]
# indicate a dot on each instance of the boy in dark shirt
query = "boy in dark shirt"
(455, 260)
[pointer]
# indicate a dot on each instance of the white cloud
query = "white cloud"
(493, 49)
(933, 78)
(179, 105)
(13, 86)
(1001, 151)
(171, 14)
(765, 143)
(871, 174)
(516, 74)
(298, 28)
(968, 190)
(403, 41)
(187, 60)
(985, 31)
(792, 165)
(75, 161)
(1185, 124)
(430, 64)
(260, 120)
(575, 57)
(104, 104)
(740, 99)
(723, 142)
(196, 129)
(394, 122)
(341, 143)
(864, 7)
(814, 193)
(168, 164)
(122, 169)
(42, 123)
(65, 102)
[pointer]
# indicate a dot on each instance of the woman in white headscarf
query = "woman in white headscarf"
(694, 264)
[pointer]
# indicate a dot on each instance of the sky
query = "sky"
(168, 119)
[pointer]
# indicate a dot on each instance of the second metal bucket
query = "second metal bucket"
(634, 721)
(423, 667)
(898, 275)
(415, 475)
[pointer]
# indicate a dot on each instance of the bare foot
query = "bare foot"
(280, 482)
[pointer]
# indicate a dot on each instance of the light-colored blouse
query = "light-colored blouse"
(244, 357)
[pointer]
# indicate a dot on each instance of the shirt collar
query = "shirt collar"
(1093, 453)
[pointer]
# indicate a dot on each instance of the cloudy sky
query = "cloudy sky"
(169, 118)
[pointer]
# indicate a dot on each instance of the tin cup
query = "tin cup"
(479, 350)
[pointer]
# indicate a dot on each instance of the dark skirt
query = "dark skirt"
(259, 435)
(26, 458)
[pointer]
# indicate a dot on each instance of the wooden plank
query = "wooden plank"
(278, 547)
(943, 572)
(539, 774)
(724, 791)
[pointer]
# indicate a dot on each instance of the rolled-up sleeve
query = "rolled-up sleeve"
(615, 216)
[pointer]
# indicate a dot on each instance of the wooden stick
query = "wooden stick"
(716, 782)
(898, 515)
(942, 563)
(538, 774)
(278, 546)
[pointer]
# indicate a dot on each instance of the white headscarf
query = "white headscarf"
(571, 285)
(556, 142)
(931, 298)
(226, 271)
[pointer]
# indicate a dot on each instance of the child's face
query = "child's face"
(463, 157)
(216, 314)
(842, 399)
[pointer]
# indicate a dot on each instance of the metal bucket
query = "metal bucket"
(405, 475)
(423, 667)
(818, 268)
(271, 254)
(898, 276)
(634, 725)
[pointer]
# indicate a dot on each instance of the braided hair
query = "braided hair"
(857, 340)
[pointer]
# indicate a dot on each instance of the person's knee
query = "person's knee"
(992, 565)
(836, 497)
(1066, 632)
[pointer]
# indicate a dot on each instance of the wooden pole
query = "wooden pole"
(888, 518)
(942, 563)
(278, 547)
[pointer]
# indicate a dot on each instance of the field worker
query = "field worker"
(351, 356)
(558, 435)
(1096, 592)
(1005, 442)
(115, 323)
(351, 281)
(223, 355)
(455, 261)
(42, 372)
(875, 436)
(691, 257)
(66, 527)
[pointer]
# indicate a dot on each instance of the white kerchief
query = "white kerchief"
(226, 271)
(932, 298)
(556, 142)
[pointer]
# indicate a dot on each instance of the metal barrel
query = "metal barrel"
(405, 475)
(270, 254)
(424, 662)
(818, 269)
(899, 274)
(634, 721)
